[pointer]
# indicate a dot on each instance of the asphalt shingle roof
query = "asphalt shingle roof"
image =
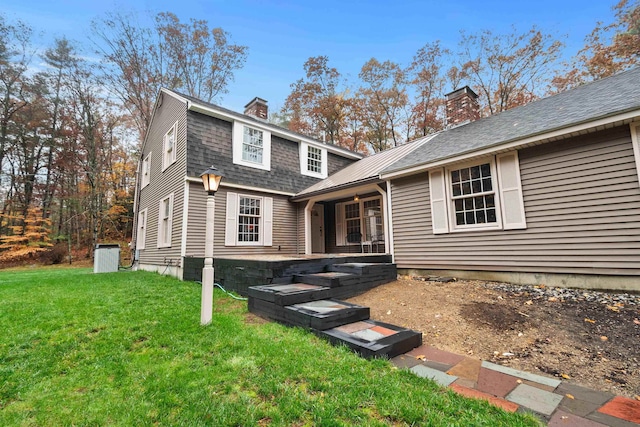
(603, 98)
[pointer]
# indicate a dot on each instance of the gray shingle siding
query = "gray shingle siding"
(210, 143)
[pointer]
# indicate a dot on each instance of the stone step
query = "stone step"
(329, 279)
(316, 315)
(365, 268)
(289, 294)
(371, 338)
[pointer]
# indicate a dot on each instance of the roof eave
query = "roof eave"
(314, 194)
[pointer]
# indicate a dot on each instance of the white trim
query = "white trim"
(243, 187)
(304, 157)
(635, 141)
(163, 242)
(308, 248)
(170, 158)
(385, 213)
(260, 241)
(275, 130)
(389, 220)
(142, 245)
(341, 215)
(513, 145)
(185, 220)
(237, 138)
(510, 187)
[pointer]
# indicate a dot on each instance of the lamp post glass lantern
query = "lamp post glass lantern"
(211, 179)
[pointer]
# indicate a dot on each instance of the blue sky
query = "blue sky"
(282, 35)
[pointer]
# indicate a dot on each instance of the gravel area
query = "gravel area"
(586, 337)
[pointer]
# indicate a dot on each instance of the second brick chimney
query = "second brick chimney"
(257, 108)
(462, 106)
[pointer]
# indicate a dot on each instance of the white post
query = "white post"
(206, 310)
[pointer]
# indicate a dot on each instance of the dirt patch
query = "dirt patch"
(585, 337)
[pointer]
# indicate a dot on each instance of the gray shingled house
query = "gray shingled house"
(264, 166)
(545, 193)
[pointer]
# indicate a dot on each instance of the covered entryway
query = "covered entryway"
(317, 229)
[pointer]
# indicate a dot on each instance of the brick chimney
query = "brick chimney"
(257, 108)
(462, 107)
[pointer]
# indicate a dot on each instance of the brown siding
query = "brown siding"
(285, 224)
(162, 183)
(582, 204)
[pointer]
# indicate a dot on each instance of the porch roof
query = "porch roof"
(361, 172)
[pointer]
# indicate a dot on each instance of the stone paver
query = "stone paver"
(432, 353)
(437, 365)
(405, 362)
(522, 374)
(564, 419)
(475, 394)
(622, 407)
(609, 420)
(534, 398)
(496, 383)
(468, 368)
(436, 375)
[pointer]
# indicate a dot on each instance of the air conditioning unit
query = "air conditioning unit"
(106, 258)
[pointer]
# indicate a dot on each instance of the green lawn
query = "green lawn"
(126, 348)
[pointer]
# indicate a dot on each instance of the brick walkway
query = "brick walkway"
(556, 402)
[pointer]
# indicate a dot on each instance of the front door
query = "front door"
(317, 229)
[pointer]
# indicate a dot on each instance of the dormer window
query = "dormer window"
(251, 146)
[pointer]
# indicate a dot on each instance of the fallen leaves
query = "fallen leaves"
(636, 321)
(569, 396)
(604, 338)
(529, 302)
(565, 376)
(589, 320)
(421, 357)
(613, 308)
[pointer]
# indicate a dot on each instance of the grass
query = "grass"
(126, 348)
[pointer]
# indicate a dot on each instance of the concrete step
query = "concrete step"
(371, 338)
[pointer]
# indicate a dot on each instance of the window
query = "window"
(169, 147)
(473, 195)
(165, 222)
(359, 221)
(478, 196)
(249, 220)
(313, 161)
(251, 146)
(146, 170)
(141, 236)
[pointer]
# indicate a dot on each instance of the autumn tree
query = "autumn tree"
(317, 103)
(427, 79)
(508, 70)
(138, 60)
(608, 49)
(384, 97)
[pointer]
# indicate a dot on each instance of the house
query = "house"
(264, 165)
(547, 193)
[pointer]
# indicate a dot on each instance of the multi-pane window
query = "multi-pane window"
(165, 219)
(314, 159)
(249, 215)
(473, 195)
(352, 222)
(142, 229)
(146, 170)
(372, 220)
(252, 145)
(169, 147)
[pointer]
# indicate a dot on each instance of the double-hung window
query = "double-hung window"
(251, 146)
(359, 221)
(165, 221)
(141, 236)
(169, 147)
(313, 160)
(485, 194)
(146, 171)
(249, 220)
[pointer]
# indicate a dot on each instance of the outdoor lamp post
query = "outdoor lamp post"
(211, 179)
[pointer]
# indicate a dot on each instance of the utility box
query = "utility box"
(106, 258)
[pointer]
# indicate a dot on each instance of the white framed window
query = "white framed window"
(359, 221)
(251, 146)
(165, 221)
(485, 194)
(146, 170)
(141, 235)
(313, 160)
(249, 220)
(169, 147)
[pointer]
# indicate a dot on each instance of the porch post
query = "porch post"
(308, 248)
(385, 213)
